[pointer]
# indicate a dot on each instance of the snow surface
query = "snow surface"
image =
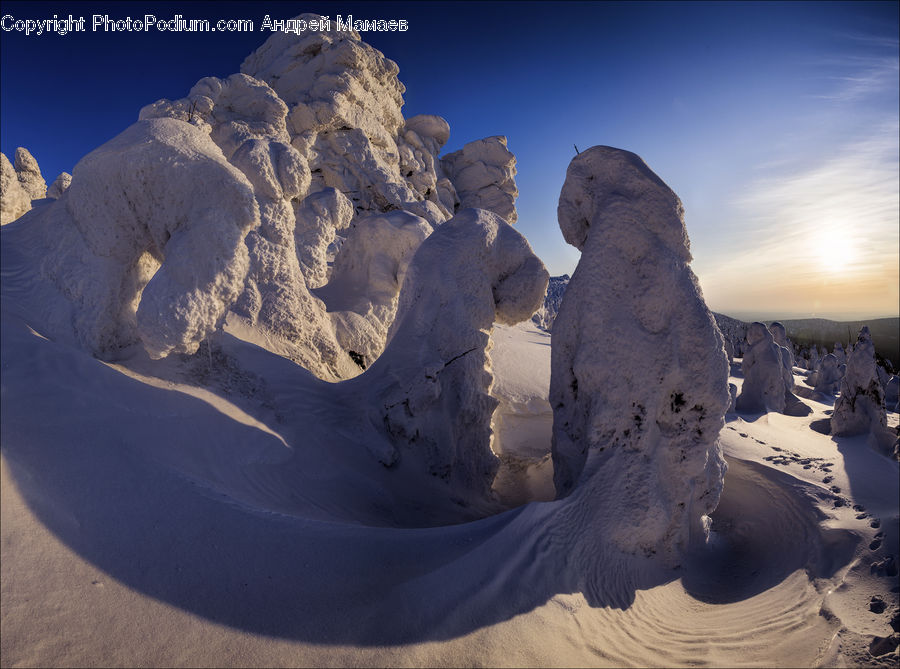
(182, 513)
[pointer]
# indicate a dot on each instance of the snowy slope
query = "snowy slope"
(211, 509)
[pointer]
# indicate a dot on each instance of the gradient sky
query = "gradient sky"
(776, 123)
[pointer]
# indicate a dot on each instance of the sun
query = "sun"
(834, 255)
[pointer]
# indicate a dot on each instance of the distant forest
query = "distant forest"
(824, 333)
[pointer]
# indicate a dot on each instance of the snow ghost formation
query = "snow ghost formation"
(126, 219)
(814, 358)
(312, 126)
(734, 332)
(484, 172)
(763, 366)
(827, 378)
(432, 384)
(59, 186)
(787, 356)
(246, 120)
(29, 175)
(638, 449)
(19, 185)
(839, 353)
(365, 282)
(14, 201)
(892, 393)
(344, 101)
(860, 407)
(545, 316)
(890, 383)
(366, 188)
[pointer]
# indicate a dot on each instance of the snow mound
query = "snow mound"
(431, 387)
(159, 200)
(860, 407)
(639, 380)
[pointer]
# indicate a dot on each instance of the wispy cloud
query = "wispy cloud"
(812, 234)
(871, 76)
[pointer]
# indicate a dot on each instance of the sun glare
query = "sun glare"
(832, 257)
(834, 252)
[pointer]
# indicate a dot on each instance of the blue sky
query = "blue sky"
(776, 123)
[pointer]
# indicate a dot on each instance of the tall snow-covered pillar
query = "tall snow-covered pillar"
(860, 408)
(639, 380)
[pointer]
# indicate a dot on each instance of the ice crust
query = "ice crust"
(860, 407)
(637, 414)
